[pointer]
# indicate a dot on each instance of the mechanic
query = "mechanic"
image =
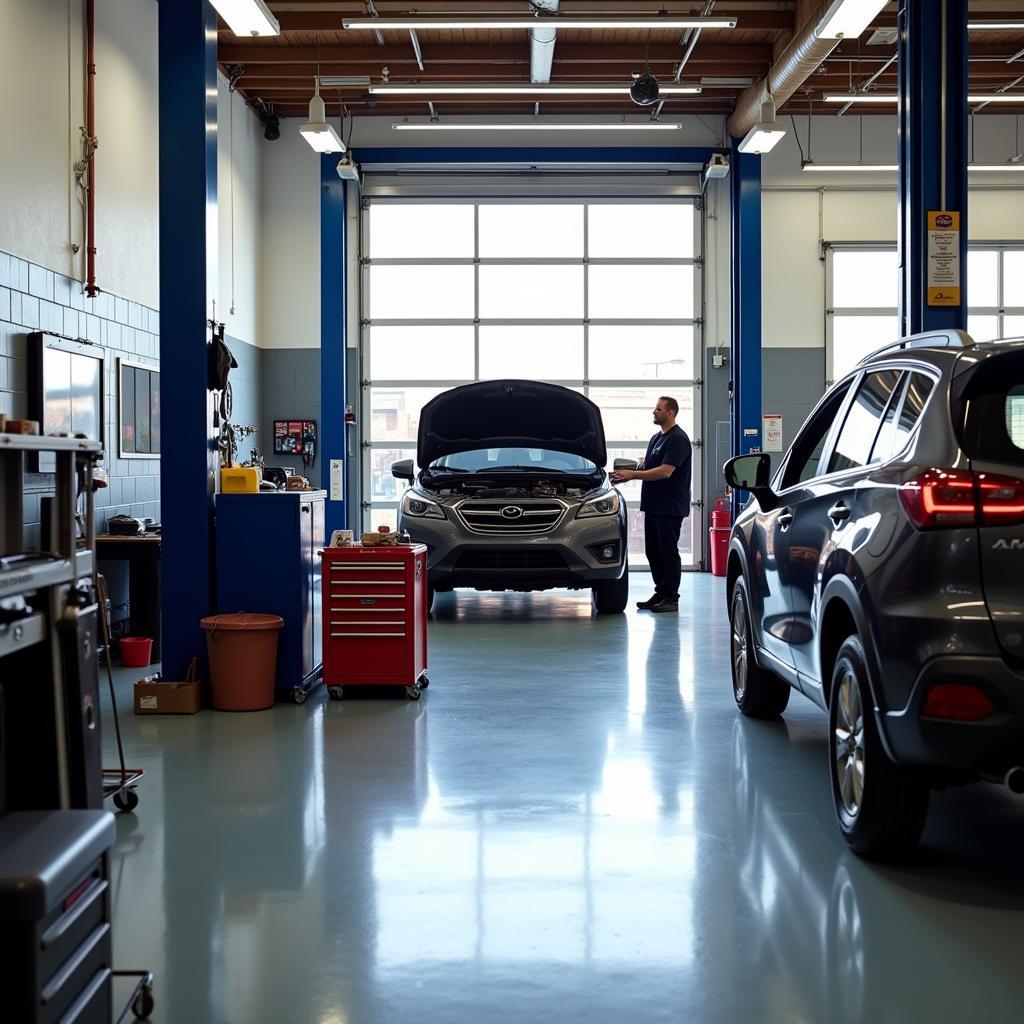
(665, 502)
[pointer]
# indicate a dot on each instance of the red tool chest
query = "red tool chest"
(375, 618)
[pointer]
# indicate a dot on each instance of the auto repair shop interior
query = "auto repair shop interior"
(361, 363)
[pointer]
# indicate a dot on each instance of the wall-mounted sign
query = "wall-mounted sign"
(943, 258)
(772, 431)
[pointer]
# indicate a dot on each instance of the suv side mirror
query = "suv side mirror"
(752, 473)
(624, 464)
(403, 470)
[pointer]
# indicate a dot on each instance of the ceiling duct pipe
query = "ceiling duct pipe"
(797, 62)
(542, 44)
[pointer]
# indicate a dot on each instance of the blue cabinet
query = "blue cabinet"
(268, 560)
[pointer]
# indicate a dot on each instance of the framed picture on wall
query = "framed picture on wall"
(138, 410)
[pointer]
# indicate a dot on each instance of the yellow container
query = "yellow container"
(240, 480)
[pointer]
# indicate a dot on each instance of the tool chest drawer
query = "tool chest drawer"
(375, 611)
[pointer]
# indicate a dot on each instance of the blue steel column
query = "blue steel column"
(932, 35)
(333, 310)
(188, 273)
(745, 178)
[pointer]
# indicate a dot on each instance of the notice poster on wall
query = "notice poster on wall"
(771, 431)
(943, 258)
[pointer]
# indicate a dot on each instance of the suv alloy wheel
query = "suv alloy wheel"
(881, 806)
(758, 692)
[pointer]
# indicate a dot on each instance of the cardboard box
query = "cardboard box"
(167, 698)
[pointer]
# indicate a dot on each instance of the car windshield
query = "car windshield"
(490, 460)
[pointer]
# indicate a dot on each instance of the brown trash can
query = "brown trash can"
(243, 659)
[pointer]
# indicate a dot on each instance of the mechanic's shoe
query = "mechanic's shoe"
(649, 603)
(665, 606)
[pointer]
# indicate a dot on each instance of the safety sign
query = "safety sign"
(943, 258)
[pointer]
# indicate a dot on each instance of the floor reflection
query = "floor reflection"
(572, 825)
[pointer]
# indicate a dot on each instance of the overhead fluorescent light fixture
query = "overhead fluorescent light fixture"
(518, 89)
(248, 17)
(996, 97)
(880, 98)
(766, 134)
(847, 19)
(995, 26)
(341, 81)
(317, 132)
(811, 167)
(535, 126)
(891, 97)
(546, 21)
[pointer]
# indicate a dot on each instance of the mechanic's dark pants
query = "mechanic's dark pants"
(661, 542)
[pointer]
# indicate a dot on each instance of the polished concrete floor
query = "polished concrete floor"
(572, 825)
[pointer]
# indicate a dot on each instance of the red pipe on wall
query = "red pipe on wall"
(91, 288)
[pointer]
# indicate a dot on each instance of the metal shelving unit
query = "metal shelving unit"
(50, 763)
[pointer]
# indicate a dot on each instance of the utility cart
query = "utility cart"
(375, 618)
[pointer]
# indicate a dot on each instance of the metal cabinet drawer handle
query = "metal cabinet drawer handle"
(338, 635)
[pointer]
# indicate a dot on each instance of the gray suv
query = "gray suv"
(878, 571)
(512, 493)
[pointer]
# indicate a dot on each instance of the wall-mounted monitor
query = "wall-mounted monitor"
(66, 387)
(138, 410)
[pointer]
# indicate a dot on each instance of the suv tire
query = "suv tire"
(611, 596)
(758, 692)
(430, 597)
(881, 805)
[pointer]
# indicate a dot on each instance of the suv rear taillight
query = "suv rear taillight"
(941, 498)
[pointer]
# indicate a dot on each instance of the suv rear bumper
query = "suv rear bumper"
(989, 747)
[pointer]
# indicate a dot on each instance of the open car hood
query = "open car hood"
(510, 414)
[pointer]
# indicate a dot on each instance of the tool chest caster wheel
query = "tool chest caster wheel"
(299, 694)
(424, 682)
(335, 692)
(413, 692)
(127, 800)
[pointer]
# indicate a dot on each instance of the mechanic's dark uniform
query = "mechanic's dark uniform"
(665, 504)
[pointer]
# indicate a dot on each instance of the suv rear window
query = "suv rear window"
(993, 410)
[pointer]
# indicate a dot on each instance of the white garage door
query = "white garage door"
(600, 296)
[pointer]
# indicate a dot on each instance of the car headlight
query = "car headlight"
(414, 504)
(605, 505)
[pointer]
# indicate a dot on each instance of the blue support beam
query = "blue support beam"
(188, 276)
(933, 154)
(745, 179)
(333, 333)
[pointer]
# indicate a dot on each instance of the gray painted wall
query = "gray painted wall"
(291, 391)
(247, 395)
(34, 299)
(792, 381)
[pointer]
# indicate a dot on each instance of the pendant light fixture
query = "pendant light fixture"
(316, 131)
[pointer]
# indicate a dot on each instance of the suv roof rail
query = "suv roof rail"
(929, 339)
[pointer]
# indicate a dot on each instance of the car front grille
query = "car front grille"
(508, 559)
(511, 518)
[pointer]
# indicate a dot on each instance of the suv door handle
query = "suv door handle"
(785, 519)
(839, 512)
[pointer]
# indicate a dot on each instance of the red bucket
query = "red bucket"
(136, 651)
(721, 514)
